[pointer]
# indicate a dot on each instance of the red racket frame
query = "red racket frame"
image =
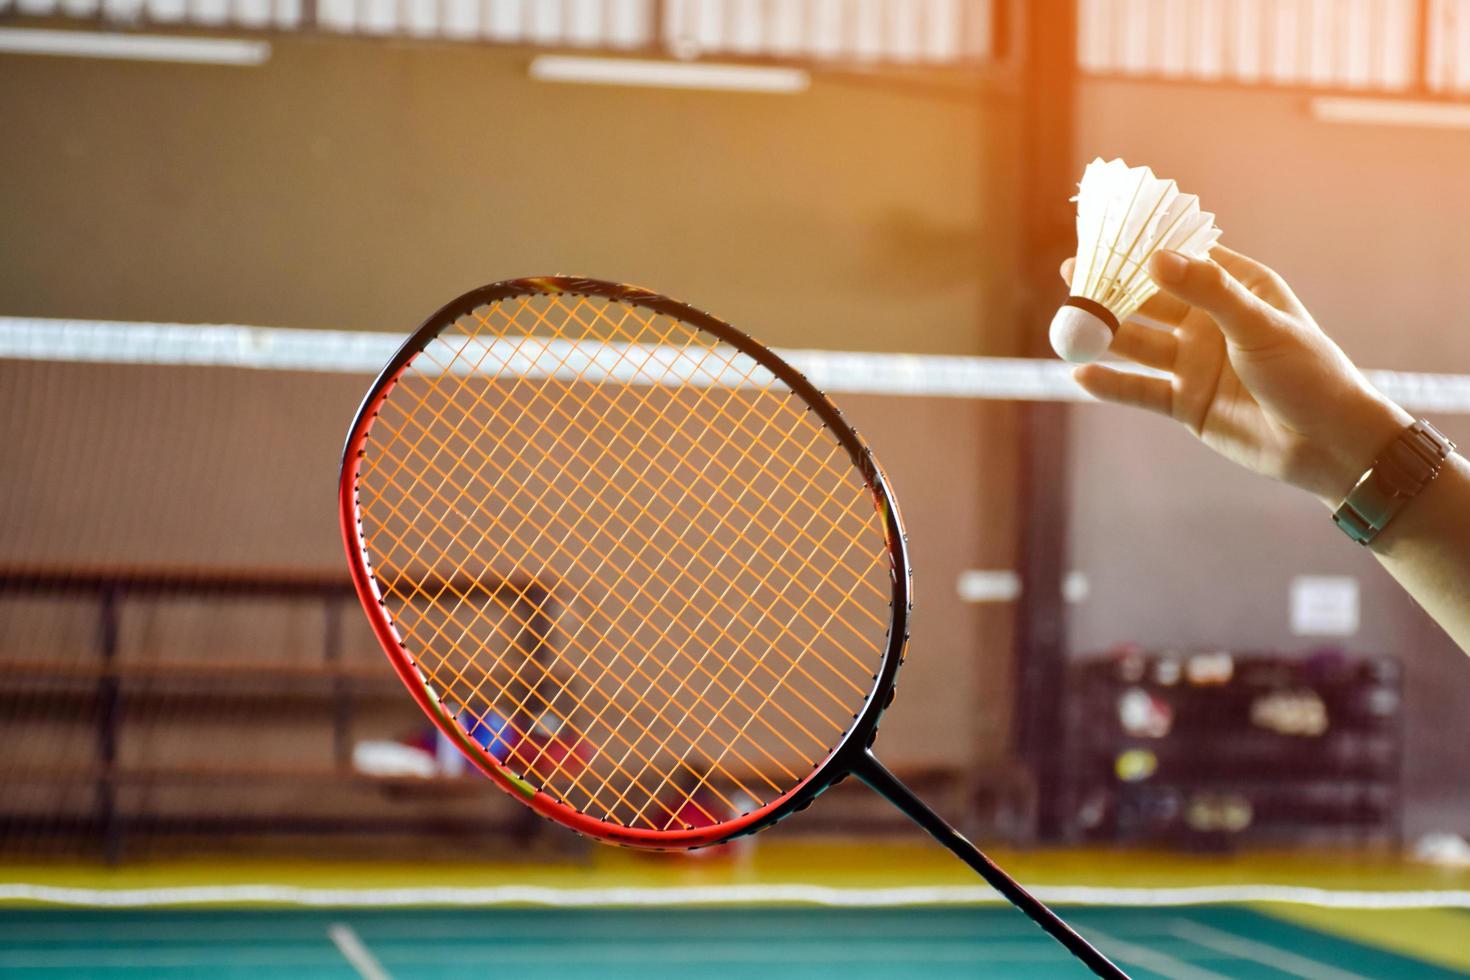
(822, 776)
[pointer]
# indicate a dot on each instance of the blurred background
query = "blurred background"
(1132, 664)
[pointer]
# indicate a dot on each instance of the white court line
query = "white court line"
(353, 950)
(1151, 959)
(1263, 953)
(820, 951)
(719, 895)
(164, 929)
(223, 952)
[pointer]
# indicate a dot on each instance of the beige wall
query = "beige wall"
(360, 184)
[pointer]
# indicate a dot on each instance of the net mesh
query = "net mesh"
(701, 575)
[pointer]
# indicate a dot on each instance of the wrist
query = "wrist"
(1368, 427)
(1405, 468)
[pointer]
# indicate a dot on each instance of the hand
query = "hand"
(1251, 374)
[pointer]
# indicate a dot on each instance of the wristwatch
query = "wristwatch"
(1403, 469)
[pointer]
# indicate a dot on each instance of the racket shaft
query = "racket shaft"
(887, 785)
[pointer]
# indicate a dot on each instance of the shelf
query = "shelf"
(229, 583)
(193, 773)
(116, 692)
(16, 668)
(168, 579)
(471, 782)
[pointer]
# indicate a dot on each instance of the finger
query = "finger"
(1146, 345)
(1247, 321)
(1159, 307)
(1126, 388)
(1256, 276)
(1165, 309)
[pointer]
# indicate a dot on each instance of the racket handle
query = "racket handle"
(887, 785)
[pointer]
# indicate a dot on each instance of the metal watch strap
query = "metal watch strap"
(1403, 469)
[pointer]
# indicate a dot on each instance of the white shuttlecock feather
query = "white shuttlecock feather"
(1124, 215)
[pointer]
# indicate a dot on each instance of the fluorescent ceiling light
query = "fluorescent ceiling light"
(1392, 112)
(135, 47)
(668, 74)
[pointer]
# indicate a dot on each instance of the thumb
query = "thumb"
(1247, 322)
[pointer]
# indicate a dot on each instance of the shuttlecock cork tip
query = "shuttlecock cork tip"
(1124, 215)
(1079, 335)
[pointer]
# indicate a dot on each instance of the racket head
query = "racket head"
(573, 325)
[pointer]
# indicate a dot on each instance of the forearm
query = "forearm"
(1427, 549)
(1426, 546)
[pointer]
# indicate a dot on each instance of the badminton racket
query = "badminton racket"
(636, 566)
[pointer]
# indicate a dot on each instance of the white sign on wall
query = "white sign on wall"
(1324, 605)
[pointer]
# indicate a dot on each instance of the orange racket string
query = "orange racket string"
(753, 543)
(743, 758)
(411, 633)
(630, 637)
(659, 713)
(747, 763)
(418, 443)
(594, 796)
(637, 539)
(729, 745)
(721, 708)
(771, 532)
(733, 391)
(460, 673)
(686, 492)
(616, 730)
(614, 623)
(652, 570)
(549, 778)
(587, 436)
(670, 478)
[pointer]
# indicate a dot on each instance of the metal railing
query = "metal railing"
(1403, 47)
(1413, 47)
(899, 32)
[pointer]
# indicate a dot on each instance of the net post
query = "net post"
(1047, 65)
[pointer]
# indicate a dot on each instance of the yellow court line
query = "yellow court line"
(776, 859)
(1438, 936)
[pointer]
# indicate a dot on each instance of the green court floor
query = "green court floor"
(1187, 943)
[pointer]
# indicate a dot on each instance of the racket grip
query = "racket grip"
(887, 785)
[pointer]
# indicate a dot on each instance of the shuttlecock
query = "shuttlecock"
(1124, 215)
